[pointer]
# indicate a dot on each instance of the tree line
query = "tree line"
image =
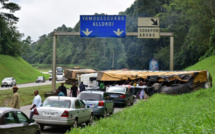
(191, 21)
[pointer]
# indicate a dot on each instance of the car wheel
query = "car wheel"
(75, 125)
(105, 114)
(42, 126)
(90, 122)
(1, 86)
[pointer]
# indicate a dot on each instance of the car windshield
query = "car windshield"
(90, 96)
(59, 69)
(57, 103)
(116, 89)
(8, 79)
(40, 77)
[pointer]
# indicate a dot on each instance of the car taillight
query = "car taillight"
(65, 114)
(122, 96)
(101, 103)
(36, 112)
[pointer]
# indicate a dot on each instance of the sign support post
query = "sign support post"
(54, 64)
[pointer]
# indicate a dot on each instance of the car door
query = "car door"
(84, 111)
(24, 122)
(108, 102)
(11, 123)
(79, 111)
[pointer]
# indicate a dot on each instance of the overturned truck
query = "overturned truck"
(172, 82)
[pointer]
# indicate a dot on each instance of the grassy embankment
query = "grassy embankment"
(19, 69)
(187, 113)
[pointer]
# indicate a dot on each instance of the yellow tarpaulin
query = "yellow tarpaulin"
(120, 75)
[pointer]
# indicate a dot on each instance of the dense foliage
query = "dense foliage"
(9, 36)
(191, 21)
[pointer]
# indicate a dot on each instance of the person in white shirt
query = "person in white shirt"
(36, 103)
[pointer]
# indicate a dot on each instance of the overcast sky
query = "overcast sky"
(39, 17)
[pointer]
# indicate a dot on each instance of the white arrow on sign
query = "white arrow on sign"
(118, 32)
(87, 32)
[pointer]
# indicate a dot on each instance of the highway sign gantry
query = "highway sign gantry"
(103, 26)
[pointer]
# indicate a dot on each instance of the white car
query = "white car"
(61, 110)
(8, 81)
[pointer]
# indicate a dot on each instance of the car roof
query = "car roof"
(93, 91)
(4, 109)
(62, 98)
(8, 77)
(117, 87)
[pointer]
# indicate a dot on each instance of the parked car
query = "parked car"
(8, 81)
(121, 95)
(40, 79)
(63, 111)
(99, 101)
(14, 121)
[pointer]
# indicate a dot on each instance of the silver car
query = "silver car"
(14, 121)
(99, 101)
(63, 111)
(8, 81)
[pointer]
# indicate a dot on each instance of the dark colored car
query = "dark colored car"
(121, 95)
(40, 79)
(14, 121)
(99, 101)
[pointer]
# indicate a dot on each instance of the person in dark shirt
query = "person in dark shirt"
(63, 89)
(82, 87)
(74, 90)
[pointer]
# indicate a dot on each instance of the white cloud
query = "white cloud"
(38, 17)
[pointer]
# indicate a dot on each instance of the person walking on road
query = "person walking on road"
(15, 98)
(82, 87)
(74, 90)
(36, 103)
(63, 88)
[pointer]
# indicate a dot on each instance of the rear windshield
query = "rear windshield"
(90, 96)
(116, 89)
(57, 103)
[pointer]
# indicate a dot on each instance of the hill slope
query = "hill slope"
(186, 113)
(18, 68)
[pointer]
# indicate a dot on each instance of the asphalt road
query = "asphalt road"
(33, 84)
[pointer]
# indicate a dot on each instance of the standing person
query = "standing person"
(63, 88)
(36, 103)
(15, 98)
(74, 90)
(82, 87)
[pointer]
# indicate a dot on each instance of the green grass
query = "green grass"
(19, 69)
(26, 94)
(192, 113)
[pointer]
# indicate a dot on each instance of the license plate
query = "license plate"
(91, 105)
(114, 95)
(49, 113)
